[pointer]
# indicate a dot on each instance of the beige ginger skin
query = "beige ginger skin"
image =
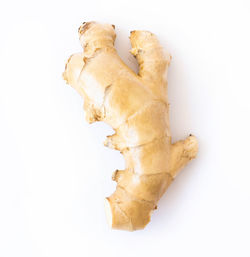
(136, 107)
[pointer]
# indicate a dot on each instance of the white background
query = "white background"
(54, 170)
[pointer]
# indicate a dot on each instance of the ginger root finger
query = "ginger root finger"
(136, 107)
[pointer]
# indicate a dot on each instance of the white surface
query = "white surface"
(54, 170)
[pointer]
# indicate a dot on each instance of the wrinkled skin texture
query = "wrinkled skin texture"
(136, 107)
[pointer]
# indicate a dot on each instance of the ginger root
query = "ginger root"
(136, 107)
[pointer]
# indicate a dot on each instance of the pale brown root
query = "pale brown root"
(136, 107)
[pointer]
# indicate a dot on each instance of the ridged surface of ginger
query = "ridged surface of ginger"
(136, 107)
